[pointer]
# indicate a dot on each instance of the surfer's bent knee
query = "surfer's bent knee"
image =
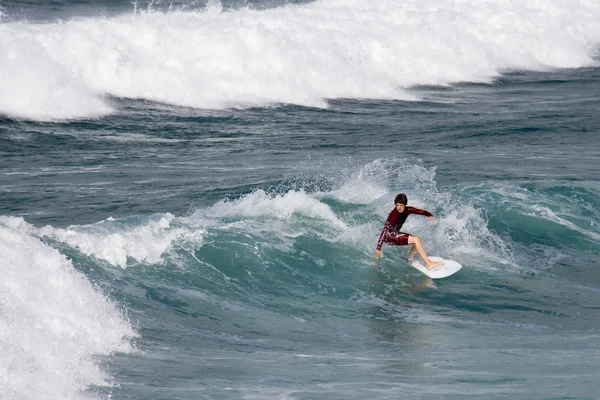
(412, 239)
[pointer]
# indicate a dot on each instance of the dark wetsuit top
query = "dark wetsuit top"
(391, 230)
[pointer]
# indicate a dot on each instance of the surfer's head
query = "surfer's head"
(400, 202)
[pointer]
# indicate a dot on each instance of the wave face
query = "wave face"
(490, 226)
(298, 54)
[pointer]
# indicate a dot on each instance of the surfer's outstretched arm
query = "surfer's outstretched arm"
(418, 211)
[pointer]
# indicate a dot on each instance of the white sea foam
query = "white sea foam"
(462, 231)
(52, 321)
(281, 206)
(37, 84)
(300, 54)
(115, 242)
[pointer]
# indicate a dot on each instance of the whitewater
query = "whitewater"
(297, 54)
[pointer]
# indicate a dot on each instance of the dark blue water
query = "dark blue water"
(191, 197)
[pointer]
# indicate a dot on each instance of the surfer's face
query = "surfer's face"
(400, 207)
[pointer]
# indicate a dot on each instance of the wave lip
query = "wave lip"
(116, 241)
(53, 321)
(281, 206)
(300, 55)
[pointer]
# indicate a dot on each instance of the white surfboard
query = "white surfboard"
(448, 268)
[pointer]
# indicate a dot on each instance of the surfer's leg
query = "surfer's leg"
(418, 244)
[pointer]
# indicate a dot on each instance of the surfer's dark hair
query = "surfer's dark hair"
(401, 198)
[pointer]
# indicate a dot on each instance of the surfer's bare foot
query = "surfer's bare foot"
(434, 264)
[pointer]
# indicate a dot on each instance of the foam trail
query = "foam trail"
(295, 54)
(53, 321)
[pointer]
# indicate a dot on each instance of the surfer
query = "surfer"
(392, 235)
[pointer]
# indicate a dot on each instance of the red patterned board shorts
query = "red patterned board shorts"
(397, 239)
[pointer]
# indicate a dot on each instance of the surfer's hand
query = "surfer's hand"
(378, 254)
(431, 218)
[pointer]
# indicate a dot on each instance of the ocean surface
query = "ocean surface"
(191, 193)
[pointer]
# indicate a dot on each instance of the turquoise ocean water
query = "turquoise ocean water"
(191, 194)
